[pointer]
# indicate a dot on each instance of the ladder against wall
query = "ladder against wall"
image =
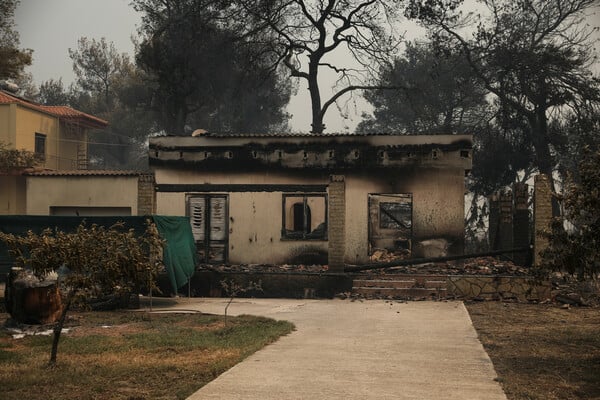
(82, 160)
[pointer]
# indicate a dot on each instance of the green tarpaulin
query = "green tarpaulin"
(179, 254)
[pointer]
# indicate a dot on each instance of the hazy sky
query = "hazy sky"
(51, 27)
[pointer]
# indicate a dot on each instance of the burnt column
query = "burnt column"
(337, 223)
(521, 222)
(542, 214)
(146, 195)
(494, 220)
(505, 228)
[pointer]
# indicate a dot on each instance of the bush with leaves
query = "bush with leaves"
(13, 159)
(574, 250)
(98, 261)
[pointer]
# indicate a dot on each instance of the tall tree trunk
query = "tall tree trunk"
(315, 98)
(545, 163)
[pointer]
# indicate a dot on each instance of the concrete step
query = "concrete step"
(435, 284)
(404, 293)
(384, 283)
(401, 287)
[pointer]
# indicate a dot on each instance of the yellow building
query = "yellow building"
(57, 134)
(61, 183)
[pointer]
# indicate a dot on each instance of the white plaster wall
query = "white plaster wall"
(44, 192)
(170, 204)
(255, 218)
(255, 230)
(438, 206)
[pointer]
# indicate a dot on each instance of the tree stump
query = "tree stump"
(30, 300)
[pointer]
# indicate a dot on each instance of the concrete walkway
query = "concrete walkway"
(358, 350)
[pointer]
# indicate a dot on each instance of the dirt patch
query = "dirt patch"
(541, 351)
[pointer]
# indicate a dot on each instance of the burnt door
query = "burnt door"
(390, 223)
(208, 216)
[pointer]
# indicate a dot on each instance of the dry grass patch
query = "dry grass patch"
(137, 356)
(541, 351)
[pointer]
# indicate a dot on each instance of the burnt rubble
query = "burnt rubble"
(476, 266)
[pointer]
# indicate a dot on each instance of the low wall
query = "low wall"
(497, 288)
(274, 284)
(327, 285)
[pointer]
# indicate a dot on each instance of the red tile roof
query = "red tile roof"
(66, 112)
(82, 172)
(62, 112)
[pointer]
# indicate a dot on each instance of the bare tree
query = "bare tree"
(306, 36)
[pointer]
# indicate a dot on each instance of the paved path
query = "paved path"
(358, 350)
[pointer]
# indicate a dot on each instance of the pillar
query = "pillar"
(146, 195)
(337, 223)
(521, 222)
(542, 215)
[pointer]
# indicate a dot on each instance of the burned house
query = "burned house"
(330, 198)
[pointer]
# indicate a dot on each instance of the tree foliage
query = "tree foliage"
(441, 95)
(202, 74)
(110, 86)
(98, 67)
(98, 261)
(12, 59)
(575, 250)
(533, 55)
(53, 93)
(310, 37)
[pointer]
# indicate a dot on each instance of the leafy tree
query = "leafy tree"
(443, 96)
(11, 159)
(98, 260)
(97, 66)
(27, 87)
(201, 75)
(53, 93)
(110, 86)
(308, 37)
(12, 59)
(571, 135)
(575, 250)
(533, 55)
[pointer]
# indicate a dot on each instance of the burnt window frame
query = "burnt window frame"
(303, 235)
(383, 222)
(371, 197)
(39, 145)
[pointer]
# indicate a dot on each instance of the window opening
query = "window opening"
(390, 225)
(40, 145)
(304, 216)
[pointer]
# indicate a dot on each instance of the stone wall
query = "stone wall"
(497, 288)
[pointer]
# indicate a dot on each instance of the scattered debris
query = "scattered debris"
(19, 331)
(475, 266)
